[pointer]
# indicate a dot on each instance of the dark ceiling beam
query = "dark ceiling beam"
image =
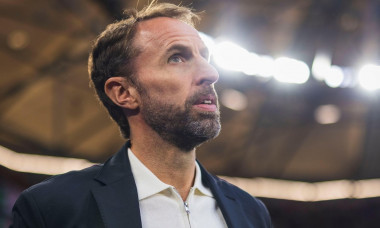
(42, 72)
(33, 22)
(40, 19)
(53, 69)
(79, 11)
(60, 64)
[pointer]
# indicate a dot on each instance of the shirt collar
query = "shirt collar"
(148, 184)
(198, 184)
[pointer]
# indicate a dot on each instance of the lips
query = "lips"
(206, 102)
(206, 99)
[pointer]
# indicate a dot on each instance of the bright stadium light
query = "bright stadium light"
(231, 56)
(290, 70)
(265, 66)
(250, 64)
(369, 77)
(334, 77)
(321, 66)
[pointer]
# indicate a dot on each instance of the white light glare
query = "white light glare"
(290, 70)
(309, 192)
(208, 41)
(250, 64)
(265, 66)
(321, 66)
(369, 77)
(40, 164)
(230, 56)
(334, 77)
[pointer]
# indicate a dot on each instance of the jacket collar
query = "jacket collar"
(226, 199)
(117, 197)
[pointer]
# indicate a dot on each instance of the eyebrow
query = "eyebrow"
(178, 47)
(183, 48)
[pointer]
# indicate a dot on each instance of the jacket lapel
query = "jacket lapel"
(231, 209)
(117, 197)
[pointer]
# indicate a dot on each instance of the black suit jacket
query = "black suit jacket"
(106, 196)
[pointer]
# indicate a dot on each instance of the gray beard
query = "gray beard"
(184, 128)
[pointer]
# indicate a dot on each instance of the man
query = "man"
(151, 72)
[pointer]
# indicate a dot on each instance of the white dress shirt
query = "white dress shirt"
(162, 206)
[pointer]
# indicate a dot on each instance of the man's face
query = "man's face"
(178, 99)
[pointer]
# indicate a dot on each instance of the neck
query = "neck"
(170, 164)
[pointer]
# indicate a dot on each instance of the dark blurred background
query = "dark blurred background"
(323, 127)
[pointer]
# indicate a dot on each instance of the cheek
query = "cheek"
(171, 90)
(172, 85)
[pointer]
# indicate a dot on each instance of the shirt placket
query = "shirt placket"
(186, 206)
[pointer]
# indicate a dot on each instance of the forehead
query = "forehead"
(163, 31)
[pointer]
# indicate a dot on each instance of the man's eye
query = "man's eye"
(175, 59)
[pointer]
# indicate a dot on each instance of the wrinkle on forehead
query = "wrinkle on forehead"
(163, 31)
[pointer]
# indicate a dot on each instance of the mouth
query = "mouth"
(206, 103)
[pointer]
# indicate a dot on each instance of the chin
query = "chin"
(197, 133)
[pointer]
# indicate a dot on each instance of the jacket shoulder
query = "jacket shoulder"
(73, 181)
(57, 198)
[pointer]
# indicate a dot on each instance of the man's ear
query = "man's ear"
(121, 92)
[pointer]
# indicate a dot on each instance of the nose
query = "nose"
(206, 73)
